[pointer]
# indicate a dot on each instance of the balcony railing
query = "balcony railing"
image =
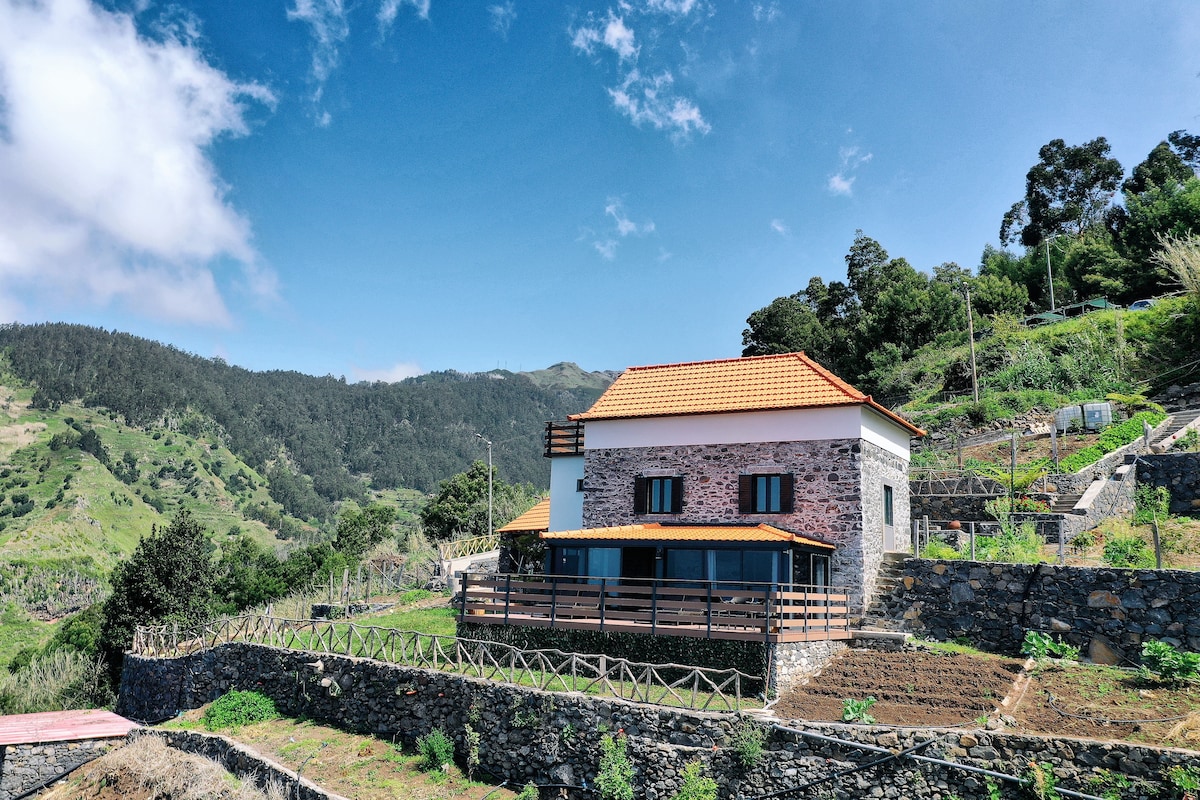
(699, 609)
(564, 439)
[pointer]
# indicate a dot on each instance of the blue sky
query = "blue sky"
(379, 188)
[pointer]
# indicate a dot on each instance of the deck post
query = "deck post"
(462, 601)
(602, 604)
(828, 612)
(767, 613)
(553, 600)
(709, 615)
(507, 595)
(653, 606)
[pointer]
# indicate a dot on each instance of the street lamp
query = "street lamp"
(489, 447)
(1049, 274)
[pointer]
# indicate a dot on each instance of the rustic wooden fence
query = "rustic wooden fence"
(676, 685)
(697, 609)
(460, 548)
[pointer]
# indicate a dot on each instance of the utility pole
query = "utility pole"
(489, 447)
(1050, 275)
(971, 339)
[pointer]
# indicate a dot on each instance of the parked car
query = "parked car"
(1140, 305)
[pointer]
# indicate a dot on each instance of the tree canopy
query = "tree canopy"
(459, 510)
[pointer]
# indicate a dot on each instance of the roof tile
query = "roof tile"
(657, 532)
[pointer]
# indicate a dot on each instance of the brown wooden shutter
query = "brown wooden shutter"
(639, 495)
(787, 493)
(677, 494)
(745, 494)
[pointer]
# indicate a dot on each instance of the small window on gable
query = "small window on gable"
(658, 495)
(766, 494)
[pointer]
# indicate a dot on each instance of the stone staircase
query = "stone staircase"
(878, 617)
(1065, 503)
(1179, 420)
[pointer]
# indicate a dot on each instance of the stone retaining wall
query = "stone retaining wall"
(994, 604)
(24, 766)
(1179, 472)
(531, 735)
(240, 761)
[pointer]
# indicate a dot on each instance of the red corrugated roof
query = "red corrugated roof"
(62, 726)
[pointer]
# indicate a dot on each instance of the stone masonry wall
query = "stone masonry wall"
(879, 467)
(24, 766)
(531, 735)
(994, 604)
(1179, 472)
(827, 484)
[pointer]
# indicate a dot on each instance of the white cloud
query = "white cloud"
(106, 190)
(766, 12)
(679, 8)
(327, 19)
(607, 249)
(390, 9)
(780, 227)
(610, 32)
(842, 183)
(502, 16)
(626, 226)
(393, 374)
(652, 101)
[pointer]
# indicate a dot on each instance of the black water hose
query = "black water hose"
(843, 773)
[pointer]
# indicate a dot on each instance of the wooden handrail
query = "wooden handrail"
(468, 547)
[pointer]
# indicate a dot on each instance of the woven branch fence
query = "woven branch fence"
(675, 685)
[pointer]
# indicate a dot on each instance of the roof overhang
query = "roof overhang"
(658, 532)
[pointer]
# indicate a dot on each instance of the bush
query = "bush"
(1040, 647)
(858, 710)
(530, 792)
(614, 781)
(747, 743)
(436, 750)
(237, 708)
(1150, 503)
(1168, 663)
(1129, 551)
(695, 785)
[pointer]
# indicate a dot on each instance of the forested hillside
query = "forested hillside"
(344, 437)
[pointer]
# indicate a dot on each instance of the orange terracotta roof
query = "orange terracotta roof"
(533, 520)
(756, 383)
(657, 532)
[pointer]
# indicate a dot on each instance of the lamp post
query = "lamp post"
(489, 447)
(1049, 274)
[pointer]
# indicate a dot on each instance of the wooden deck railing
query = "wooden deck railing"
(448, 551)
(705, 609)
(676, 685)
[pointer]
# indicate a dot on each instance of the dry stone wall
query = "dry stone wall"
(531, 735)
(1179, 473)
(25, 766)
(994, 604)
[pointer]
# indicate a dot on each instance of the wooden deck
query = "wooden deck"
(62, 726)
(702, 610)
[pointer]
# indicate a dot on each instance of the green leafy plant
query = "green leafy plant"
(993, 789)
(696, 785)
(1040, 782)
(747, 743)
(854, 710)
(614, 781)
(436, 750)
(1040, 647)
(1168, 663)
(1187, 442)
(471, 740)
(529, 792)
(1185, 781)
(1109, 784)
(1151, 503)
(939, 551)
(237, 708)
(1083, 541)
(1128, 551)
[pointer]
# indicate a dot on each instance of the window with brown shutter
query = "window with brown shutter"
(766, 494)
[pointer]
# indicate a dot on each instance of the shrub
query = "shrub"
(1150, 503)
(939, 550)
(1168, 663)
(1128, 550)
(1014, 544)
(1184, 780)
(747, 743)
(1040, 646)
(530, 792)
(436, 750)
(696, 785)
(614, 781)
(1040, 783)
(237, 708)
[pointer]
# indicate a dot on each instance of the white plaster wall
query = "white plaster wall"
(791, 425)
(566, 504)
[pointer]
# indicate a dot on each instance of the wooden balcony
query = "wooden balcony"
(698, 609)
(563, 439)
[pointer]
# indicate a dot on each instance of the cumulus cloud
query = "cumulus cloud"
(645, 96)
(780, 227)
(503, 15)
(851, 158)
(393, 374)
(106, 189)
(606, 248)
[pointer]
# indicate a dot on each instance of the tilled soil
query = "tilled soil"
(910, 688)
